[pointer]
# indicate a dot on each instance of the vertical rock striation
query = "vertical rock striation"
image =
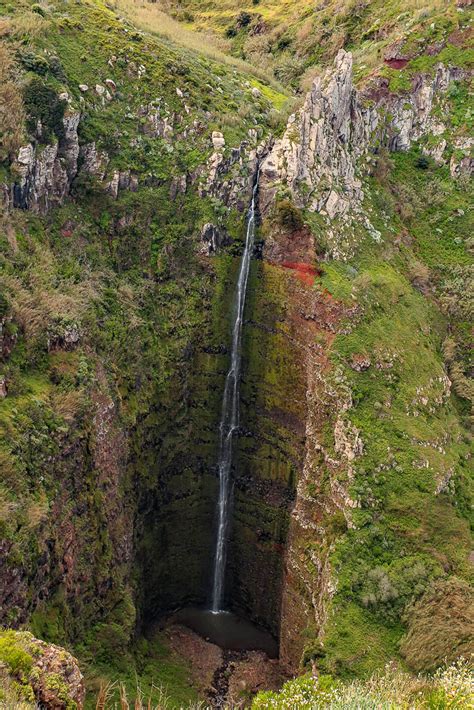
(322, 157)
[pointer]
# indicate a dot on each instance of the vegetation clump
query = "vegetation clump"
(450, 688)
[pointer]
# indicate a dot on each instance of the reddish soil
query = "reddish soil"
(305, 272)
(296, 246)
(204, 658)
(396, 63)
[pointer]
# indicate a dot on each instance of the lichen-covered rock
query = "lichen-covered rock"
(231, 178)
(316, 158)
(93, 161)
(42, 673)
(218, 140)
(156, 121)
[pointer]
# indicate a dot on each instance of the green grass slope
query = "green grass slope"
(411, 535)
(294, 38)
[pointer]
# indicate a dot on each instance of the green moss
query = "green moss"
(55, 683)
(14, 655)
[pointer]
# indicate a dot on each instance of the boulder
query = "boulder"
(54, 679)
(213, 238)
(218, 140)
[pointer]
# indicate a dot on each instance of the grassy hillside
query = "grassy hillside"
(290, 38)
(412, 482)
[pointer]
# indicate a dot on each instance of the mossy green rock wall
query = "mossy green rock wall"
(270, 447)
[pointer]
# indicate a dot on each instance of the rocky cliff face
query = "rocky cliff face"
(114, 337)
(45, 172)
(327, 147)
(110, 471)
(322, 163)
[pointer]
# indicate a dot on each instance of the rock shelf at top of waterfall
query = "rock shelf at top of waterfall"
(230, 411)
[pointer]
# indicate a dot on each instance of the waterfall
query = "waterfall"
(230, 411)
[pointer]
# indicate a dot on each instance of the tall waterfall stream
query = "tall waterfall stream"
(230, 411)
(217, 624)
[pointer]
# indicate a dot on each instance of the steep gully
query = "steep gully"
(274, 575)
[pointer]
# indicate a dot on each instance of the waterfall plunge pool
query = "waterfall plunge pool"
(227, 630)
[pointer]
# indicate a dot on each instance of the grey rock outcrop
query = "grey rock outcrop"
(156, 122)
(230, 177)
(121, 180)
(218, 140)
(320, 158)
(316, 158)
(213, 238)
(44, 173)
(94, 161)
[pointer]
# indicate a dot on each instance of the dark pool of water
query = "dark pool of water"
(227, 630)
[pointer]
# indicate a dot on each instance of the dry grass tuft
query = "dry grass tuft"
(12, 115)
(37, 301)
(441, 626)
(147, 16)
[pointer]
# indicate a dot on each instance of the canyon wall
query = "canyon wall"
(121, 251)
(323, 162)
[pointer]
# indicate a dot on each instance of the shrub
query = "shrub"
(35, 63)
(56, 68)
(449, 688)
(244, 19)
(288, 215)
(289, 68)
(44, 105)
(422, 162)
(38, 9)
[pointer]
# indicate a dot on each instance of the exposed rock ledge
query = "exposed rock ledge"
(44, 174)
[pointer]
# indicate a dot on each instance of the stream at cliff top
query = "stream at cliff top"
(227, 630)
